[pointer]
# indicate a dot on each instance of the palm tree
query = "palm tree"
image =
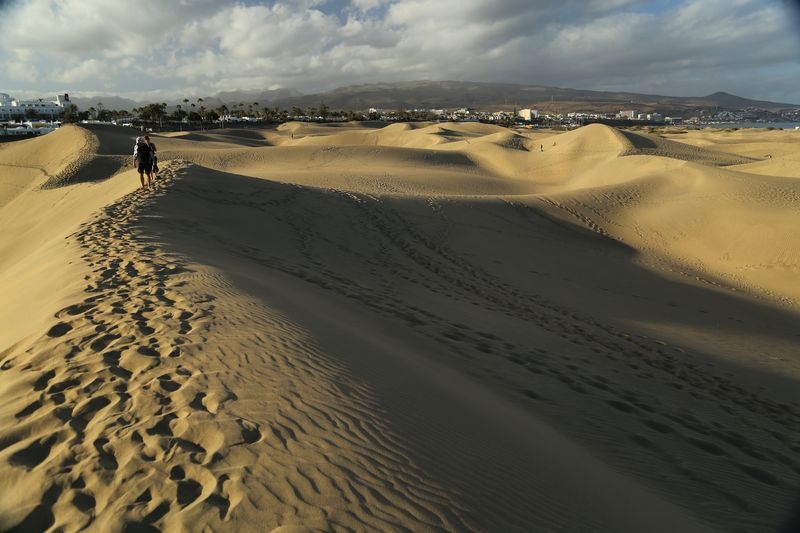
(202, 111)
(223, 112)
(70, 114)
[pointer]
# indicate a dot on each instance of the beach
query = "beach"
(402, 327)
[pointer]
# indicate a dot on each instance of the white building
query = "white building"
(28, 129)
(528, 114)
(15, 110)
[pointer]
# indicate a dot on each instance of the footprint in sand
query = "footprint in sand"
(205, 402)
(84, 501)
(250, 431)
(43, 380)
(149, 351)
(83, 414)
(74, 310)
(35, 453)
(188, 491)
(106, 458)
(30, 409)
(168, 384)
(59, 330)
(98, 345)
(162, 427)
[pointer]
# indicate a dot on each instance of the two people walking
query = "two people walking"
(145, 159)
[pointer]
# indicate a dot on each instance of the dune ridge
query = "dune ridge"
(160, 428)
(649, 144)
(428, 327)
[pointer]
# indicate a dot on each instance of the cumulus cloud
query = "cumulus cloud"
(21, 71)
(680, 47)
(89, 69)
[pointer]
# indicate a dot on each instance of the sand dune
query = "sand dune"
(418, 327)
(647, 144)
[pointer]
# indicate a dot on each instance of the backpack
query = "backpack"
(143, 151)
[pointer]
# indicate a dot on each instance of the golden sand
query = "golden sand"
(416, 327)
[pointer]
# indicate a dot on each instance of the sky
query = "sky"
(162, 50)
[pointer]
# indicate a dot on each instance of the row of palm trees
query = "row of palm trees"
(198, 114)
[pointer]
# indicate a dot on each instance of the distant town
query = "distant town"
(26, 118)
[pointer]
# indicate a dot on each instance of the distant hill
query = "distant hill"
(108, 102)
(263, 98)
(428, 94)
(491, 96)
(731, 101)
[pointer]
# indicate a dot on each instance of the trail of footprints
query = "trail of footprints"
(114, 398)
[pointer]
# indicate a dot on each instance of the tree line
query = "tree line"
(195, 113)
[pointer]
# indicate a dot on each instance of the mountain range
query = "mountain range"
(428, 94)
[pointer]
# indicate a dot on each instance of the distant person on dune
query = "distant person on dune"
(154, 155)
(143, 160)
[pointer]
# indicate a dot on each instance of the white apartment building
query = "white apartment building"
(12, 109)
(528, 114)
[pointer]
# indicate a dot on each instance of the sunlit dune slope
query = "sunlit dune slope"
(649, 144)
(469, 159)
(731, 225)
(45, 159)
(756, 143)
(37, 215)
(773, 152)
